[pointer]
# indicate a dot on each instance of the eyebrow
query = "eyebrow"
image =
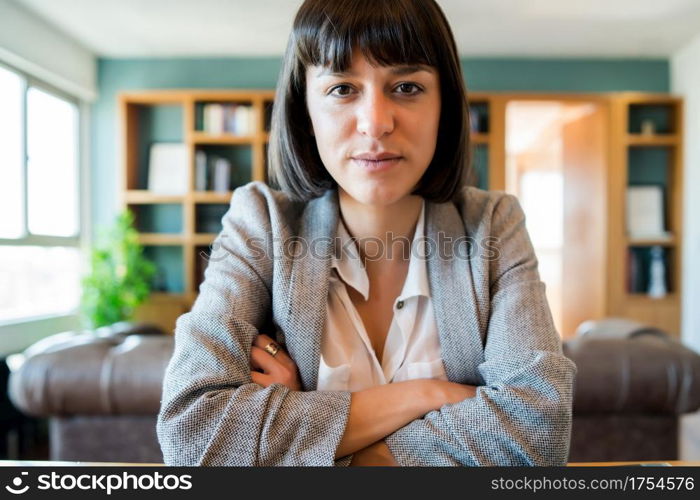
(405, 69)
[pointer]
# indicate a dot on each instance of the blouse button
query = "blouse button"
(399, 304)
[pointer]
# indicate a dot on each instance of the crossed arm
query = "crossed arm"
(375, 412)
(211, 413)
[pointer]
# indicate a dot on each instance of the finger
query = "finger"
(264, 361)
(284, 360)
(254, 363)
(261, 379)
(263, 340)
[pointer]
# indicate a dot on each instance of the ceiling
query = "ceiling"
(517, 28)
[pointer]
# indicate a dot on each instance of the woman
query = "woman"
(314, 341)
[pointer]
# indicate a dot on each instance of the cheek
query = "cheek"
(320, 128)
(325, 137)
(425, 132)
(330, 129)
(423, 136)
(423, 123)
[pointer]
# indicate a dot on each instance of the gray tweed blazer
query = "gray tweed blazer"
(494, 325)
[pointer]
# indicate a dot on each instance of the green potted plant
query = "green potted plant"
(120, 276)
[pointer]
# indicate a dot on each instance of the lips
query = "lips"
(377, 157)
(376, 162)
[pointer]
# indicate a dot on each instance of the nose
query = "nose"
(375, 115)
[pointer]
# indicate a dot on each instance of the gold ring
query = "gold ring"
(272, 348)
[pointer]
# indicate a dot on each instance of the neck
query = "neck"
(384, 223)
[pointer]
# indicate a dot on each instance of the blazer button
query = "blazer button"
(399, 304)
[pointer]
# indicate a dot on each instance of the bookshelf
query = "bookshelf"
(634, 155)
(647, 147)
(176, 230)
(487, 134)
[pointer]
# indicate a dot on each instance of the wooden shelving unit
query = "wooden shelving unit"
(175, 229)
(484, 138)
(651, 158)
(623, 115)
(179, 229)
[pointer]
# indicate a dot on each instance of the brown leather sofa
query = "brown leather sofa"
(633, 384)
(101, 391)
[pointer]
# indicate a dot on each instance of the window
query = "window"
(11, 89)
(40, 258)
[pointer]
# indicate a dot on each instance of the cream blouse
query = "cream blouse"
(412, 346)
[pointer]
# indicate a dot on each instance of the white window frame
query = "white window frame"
(28, 329)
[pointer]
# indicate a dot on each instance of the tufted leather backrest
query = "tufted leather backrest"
(119, 373)
(628, 367)
(623, 367)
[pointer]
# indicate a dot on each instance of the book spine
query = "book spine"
(206, 117)
(632, 271)
(243, 120)
(230, 119)
(252, 122)
(201, 171)
(214, 118)
(474, 120)
(222, 175)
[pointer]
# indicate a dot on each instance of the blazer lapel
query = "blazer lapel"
(453, 294)
(308, 285)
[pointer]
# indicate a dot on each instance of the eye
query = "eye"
(408, 88)
(341, 90)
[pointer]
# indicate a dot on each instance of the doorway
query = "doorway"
(556, 164)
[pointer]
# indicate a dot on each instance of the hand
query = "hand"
(377, 454)
(268, 369)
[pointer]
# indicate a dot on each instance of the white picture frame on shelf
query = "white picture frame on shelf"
(167, 168)
(645, 212)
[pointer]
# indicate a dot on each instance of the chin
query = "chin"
(378, 196)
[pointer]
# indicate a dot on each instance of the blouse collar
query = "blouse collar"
(348, 264)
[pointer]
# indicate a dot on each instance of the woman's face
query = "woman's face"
(375, 126)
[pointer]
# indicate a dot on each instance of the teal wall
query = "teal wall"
(528, 75)
(116, 75)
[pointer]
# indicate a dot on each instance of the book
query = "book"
(244, 120)
(222, 175)
(645, 212)
(230, 112)
(474, 120)
(232, 118)
(167, 168)
(213, 118)
(632, 271)
(200, 159)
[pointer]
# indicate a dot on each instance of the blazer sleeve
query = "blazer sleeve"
(211, 412)
(521, 415)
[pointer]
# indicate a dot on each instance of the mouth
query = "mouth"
(376, 161)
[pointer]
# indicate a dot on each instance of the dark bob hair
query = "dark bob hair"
(388, 32)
